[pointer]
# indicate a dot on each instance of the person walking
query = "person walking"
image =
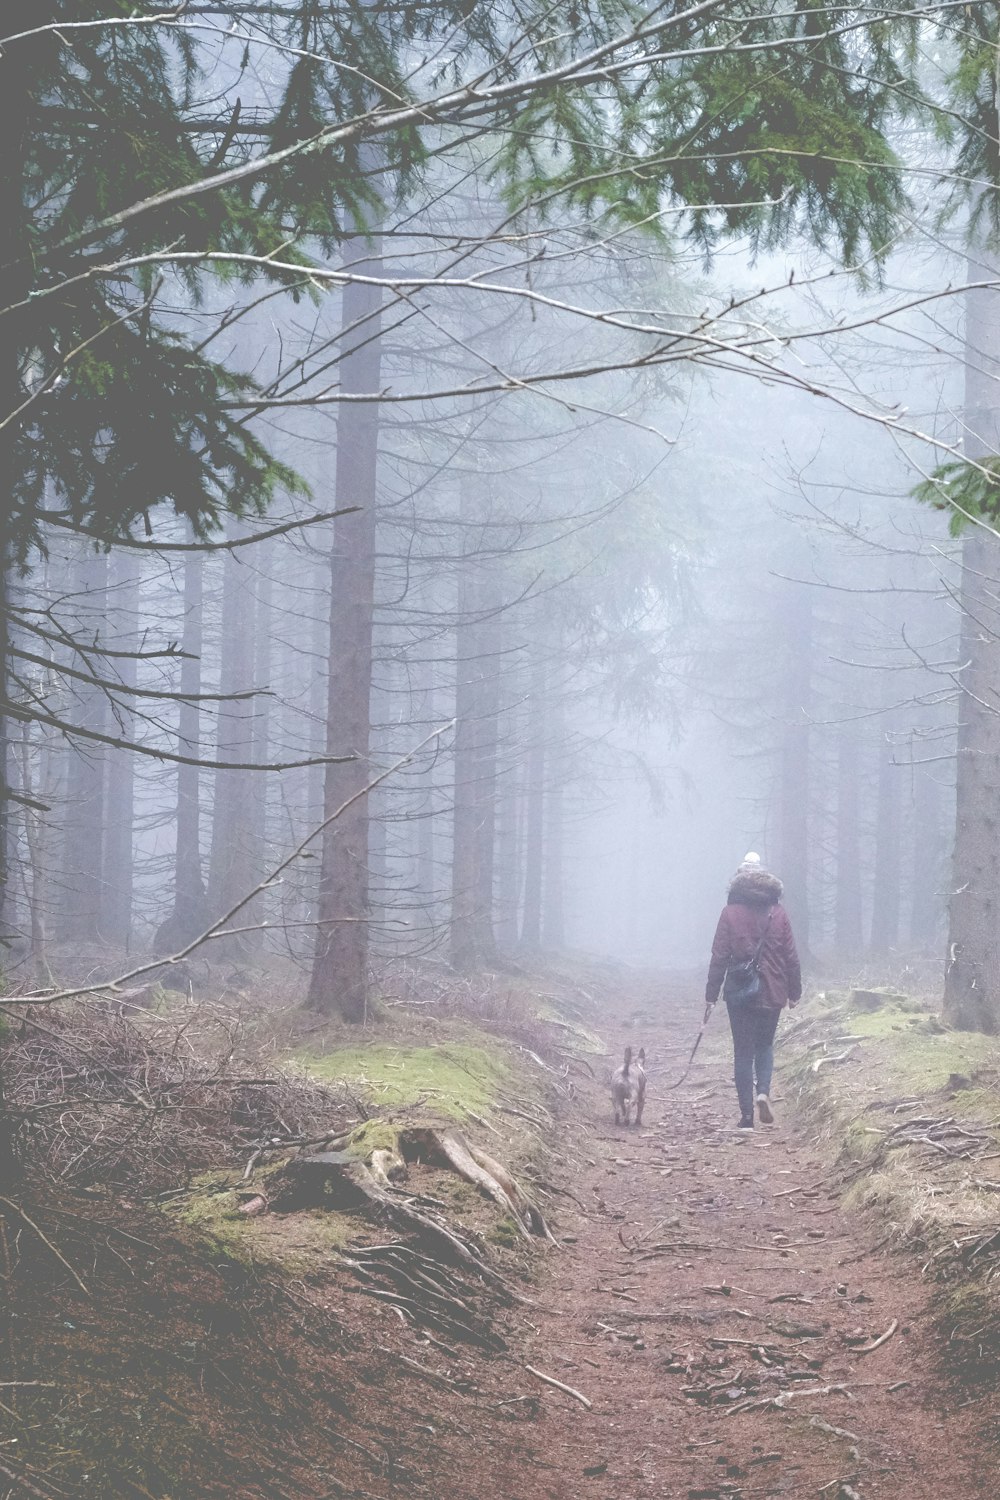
(756, 967)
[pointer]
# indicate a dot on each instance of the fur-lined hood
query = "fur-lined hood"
(755, 888)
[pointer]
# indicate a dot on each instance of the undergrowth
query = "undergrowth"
(910, 1116)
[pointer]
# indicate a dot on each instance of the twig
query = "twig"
(783, 1397)
(19, 1480)
(883, 1338)
(47, 1242)
(568, 1389)
(833, 1057)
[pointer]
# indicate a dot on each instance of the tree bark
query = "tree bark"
(118, 857)
(508, 839)
(888, 852)
(83, 867)
(972, 972)
(929, 875)
(259, 785)
(477, 708)
(553, 917)
(794, 779)
(232, 871)
(190, 914)
(534, 821)
(848, 931)
(339, 979)
(16, 89)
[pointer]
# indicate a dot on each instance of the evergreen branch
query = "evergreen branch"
(173, 757)
(230, 544)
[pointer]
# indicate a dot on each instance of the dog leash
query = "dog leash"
(697, 1044)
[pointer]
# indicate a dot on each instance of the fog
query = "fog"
(647, 631)
(559, 567)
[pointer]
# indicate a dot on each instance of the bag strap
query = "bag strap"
(760, 946)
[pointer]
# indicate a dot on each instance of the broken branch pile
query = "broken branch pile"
(142, 1102)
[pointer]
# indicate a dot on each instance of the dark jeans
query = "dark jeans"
(753, 1052)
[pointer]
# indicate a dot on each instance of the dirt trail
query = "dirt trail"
(678, 1370)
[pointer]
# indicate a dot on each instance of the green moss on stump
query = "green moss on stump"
(297, 1242)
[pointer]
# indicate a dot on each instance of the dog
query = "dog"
(628, 1087)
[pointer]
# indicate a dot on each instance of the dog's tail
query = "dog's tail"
(628, 1059)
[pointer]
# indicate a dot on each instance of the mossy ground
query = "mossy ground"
(450, 1078)
(909, 1066)
(439, 1073)
(294, 1243)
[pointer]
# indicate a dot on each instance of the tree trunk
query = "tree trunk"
(477, 708)
(190, 914)
(848, 931)
(509, 840)
(793, 787)
(927, 904)
(16, 274)
(83, 868)
(259, 782)
(553, 917)
(888, 854)
(534, 822)
(972, 974)
(231, 871)
(340, 964)
(6, 861)
(118, 855)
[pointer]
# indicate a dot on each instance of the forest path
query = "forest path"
(678, 1370)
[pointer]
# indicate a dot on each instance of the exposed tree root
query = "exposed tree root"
(449, 1148)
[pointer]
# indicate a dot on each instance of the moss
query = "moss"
(373, 1135)
(451, 1077)
(296, 1242)
(505, 1232)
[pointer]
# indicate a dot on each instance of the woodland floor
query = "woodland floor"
(700, 1274)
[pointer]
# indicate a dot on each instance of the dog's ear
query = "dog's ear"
(628, 1056)
(642, 1055)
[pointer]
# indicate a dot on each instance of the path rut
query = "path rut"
(713, 1303)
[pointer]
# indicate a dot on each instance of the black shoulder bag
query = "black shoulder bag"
(742, 981)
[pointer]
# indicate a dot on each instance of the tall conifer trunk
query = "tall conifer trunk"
(553, 917)
(534, 815)
(339, 979)
(118, 861)
(477, 707)
(929, 876)
(794, 771)
(83, 851)
(887, 893)
(848, 935)
(231, 871)
(190, 914)
(972, 972)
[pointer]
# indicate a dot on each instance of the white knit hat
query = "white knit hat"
(750, 861)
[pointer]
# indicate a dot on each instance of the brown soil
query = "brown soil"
(703, 1276)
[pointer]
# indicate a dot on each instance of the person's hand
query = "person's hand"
(709, 1007)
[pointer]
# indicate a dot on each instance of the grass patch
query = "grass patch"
(450, 1077)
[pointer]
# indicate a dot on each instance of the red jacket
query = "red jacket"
(752, 897)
